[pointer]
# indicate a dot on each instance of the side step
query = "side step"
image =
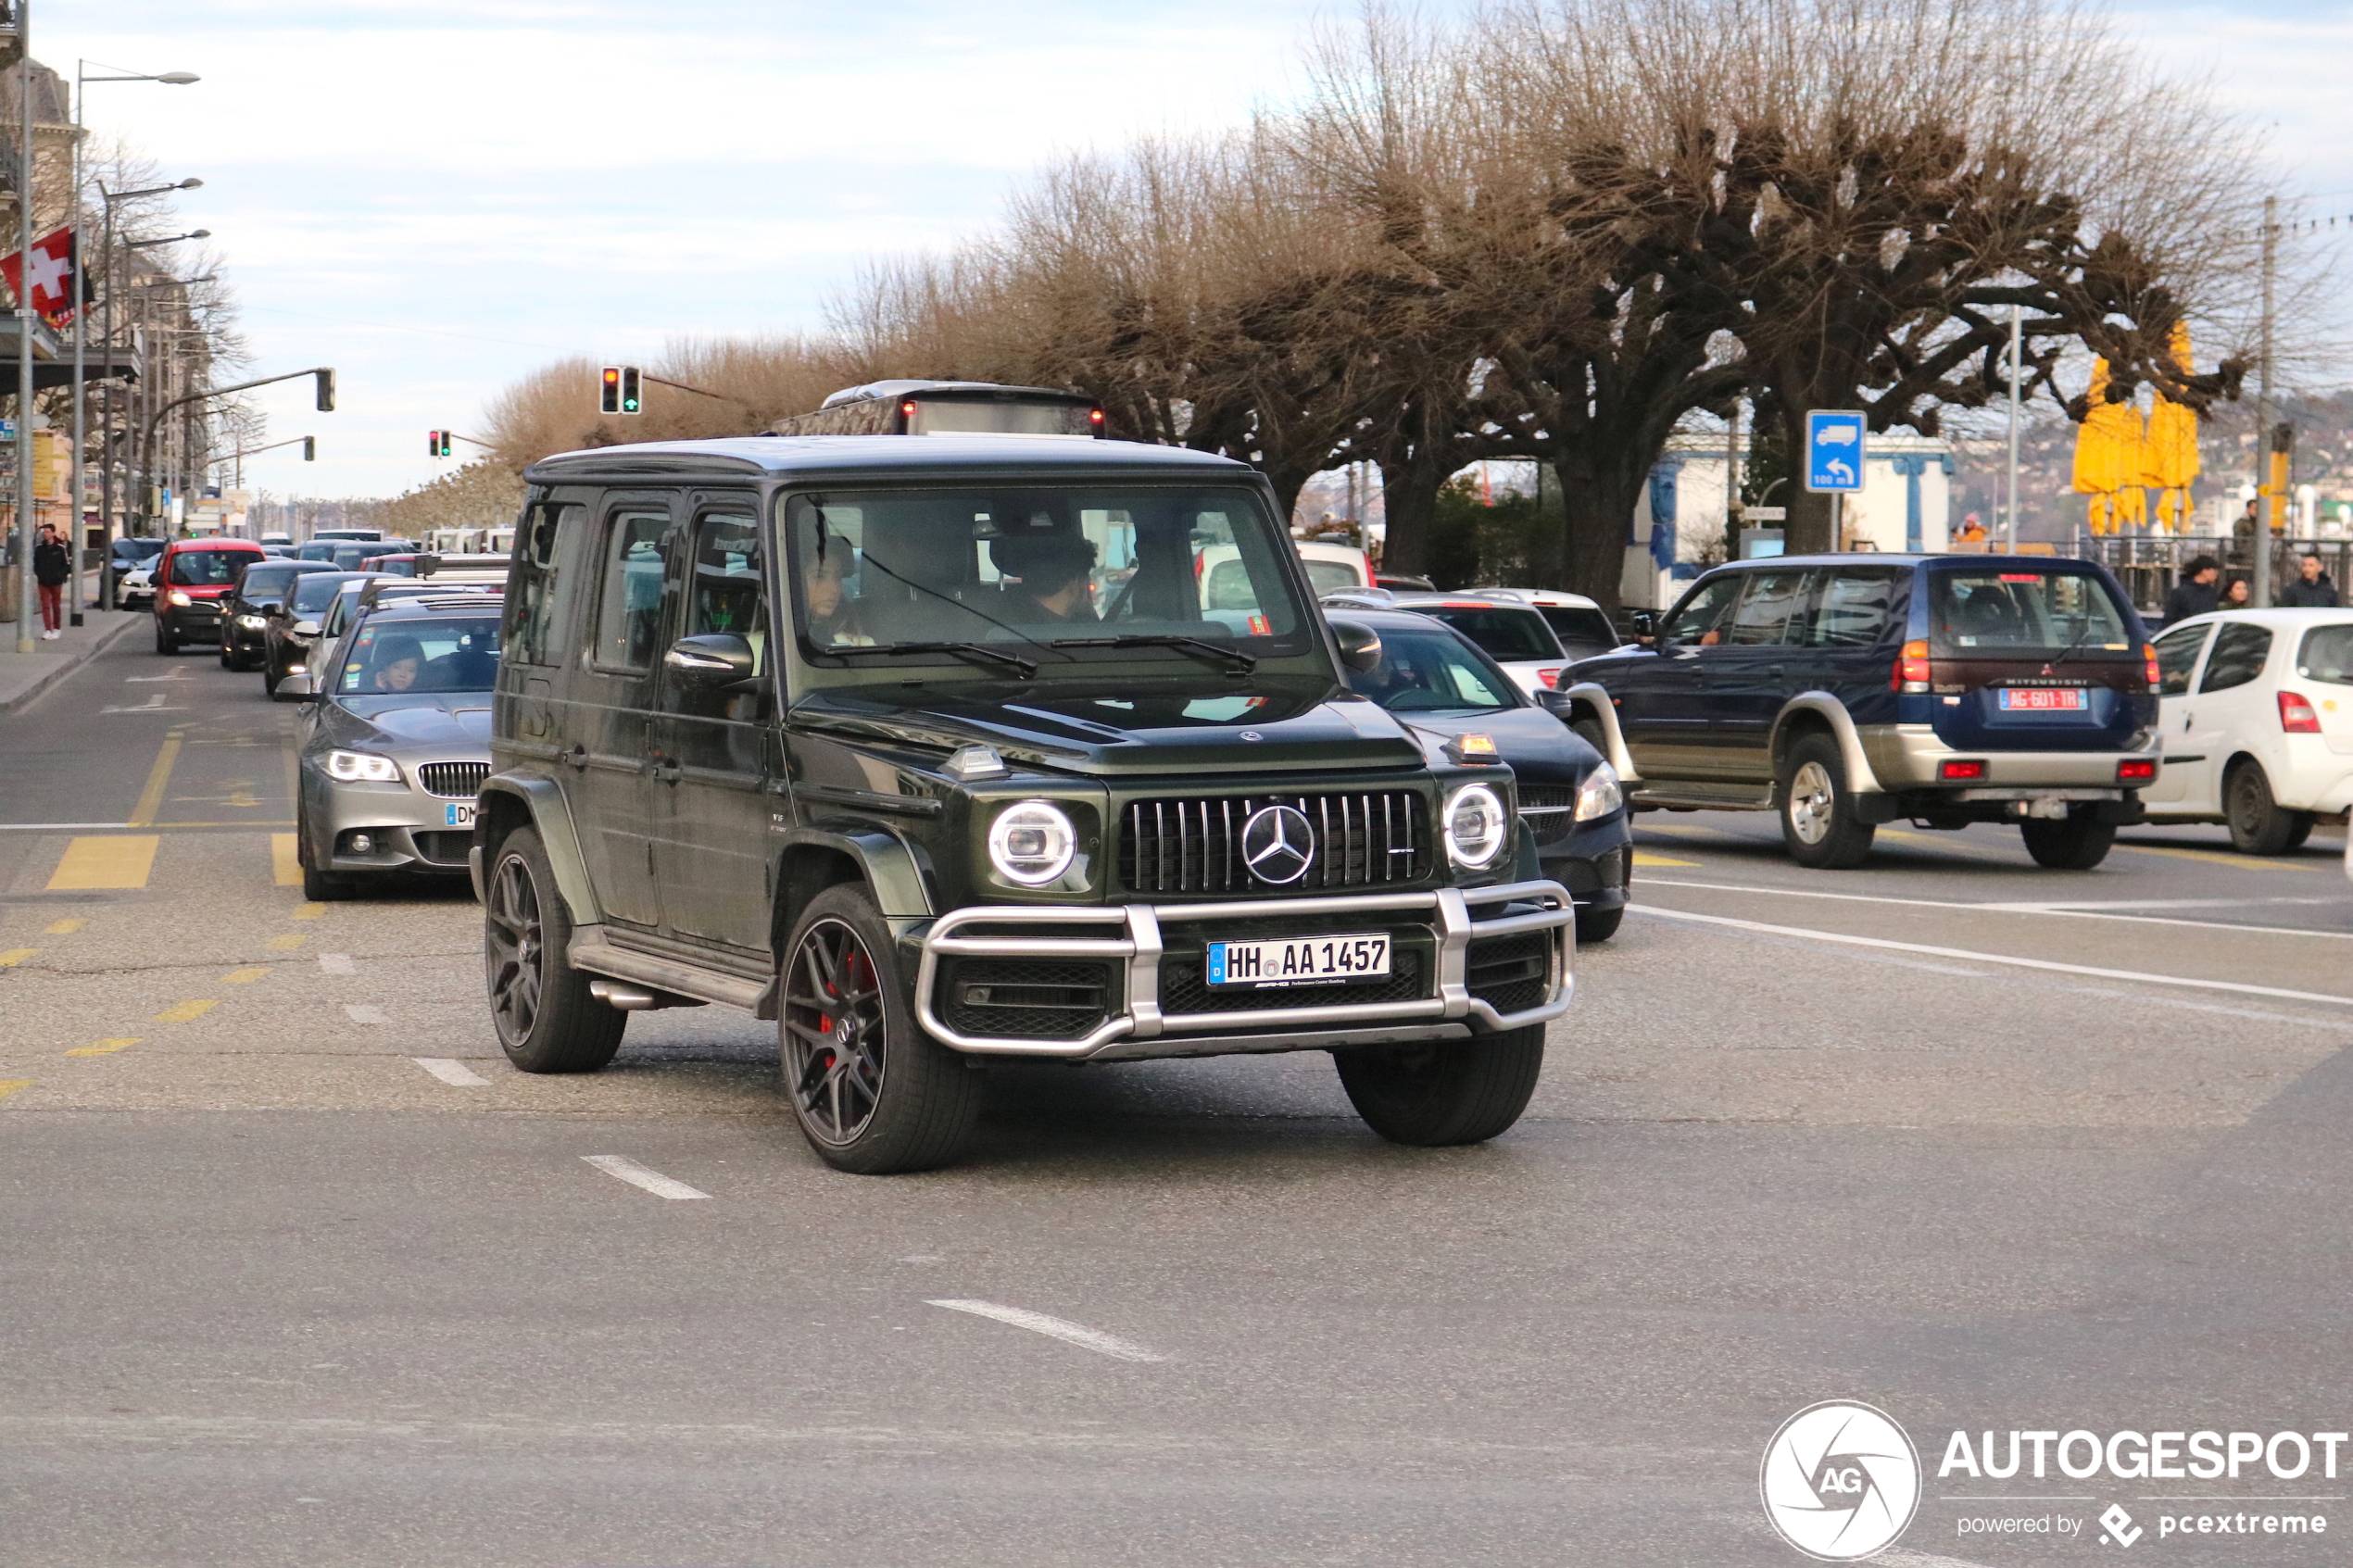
(1678, 795)
(593, 951)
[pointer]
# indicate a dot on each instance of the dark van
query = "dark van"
(1848, 691)
(931, 751)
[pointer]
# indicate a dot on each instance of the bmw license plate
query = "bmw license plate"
(1306, 961)
(458, 816)
(2041, 699)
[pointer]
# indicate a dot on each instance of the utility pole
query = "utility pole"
(2263, 498)
(27, 607)
(2009, 505)
(1732, 483)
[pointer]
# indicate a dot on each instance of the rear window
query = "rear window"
(210, 569)
(1578, 629)
(2327, 654)
(1506, 634)
(1992, 610)
(1330, 576)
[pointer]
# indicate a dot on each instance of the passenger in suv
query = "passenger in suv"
(777, 726)
(1849, 691)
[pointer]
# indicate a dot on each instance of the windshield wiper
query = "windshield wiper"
(2069, 652)
(973, 653)
(1244, 663)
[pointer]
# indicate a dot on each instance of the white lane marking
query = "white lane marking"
(337, 964)
(364, 1012)
(1056, 1328)
(153, 705)
(451, 1070)
(2067, 912)
(1842, 939)
(622, 1168)
(177, 672)
(56, 827)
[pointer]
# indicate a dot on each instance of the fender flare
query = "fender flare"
(1860, 777)
(888, 865)
(543, 800)
(1596, 697)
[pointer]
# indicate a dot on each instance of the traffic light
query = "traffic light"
(446, 439)
(326, 380)
(309, 448)
(432, 444)
(609, 392)
(631, 402)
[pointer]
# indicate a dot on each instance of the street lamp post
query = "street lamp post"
(121, 401)
(140, 457)
(81, 80)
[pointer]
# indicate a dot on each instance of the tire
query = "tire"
(226, 663)
(1819, 824)
(2076, 844)
(873, 1093)
(1446, 1092)
(1590, 731)
(268, 680)
(1598, 926)
(323, 887)
(540, 1005)
(165, 641)
(2258, 825)
(2305, 823)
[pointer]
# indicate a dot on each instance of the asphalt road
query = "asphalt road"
(1988, 1146)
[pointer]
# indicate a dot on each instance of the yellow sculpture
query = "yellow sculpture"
(2121, 455)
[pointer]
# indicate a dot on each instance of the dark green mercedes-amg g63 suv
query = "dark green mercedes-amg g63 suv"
(944, 749)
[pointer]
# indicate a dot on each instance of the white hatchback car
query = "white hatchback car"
(2256, 710)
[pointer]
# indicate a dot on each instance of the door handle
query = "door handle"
(577, 757)
(666, 770)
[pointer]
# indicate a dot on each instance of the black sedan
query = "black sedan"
(290, 629)
(1435, 678)
(244, 620)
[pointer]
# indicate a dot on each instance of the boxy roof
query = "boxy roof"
(868, 457)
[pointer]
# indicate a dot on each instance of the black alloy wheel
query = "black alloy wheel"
(834, 1018)
(546, 1018)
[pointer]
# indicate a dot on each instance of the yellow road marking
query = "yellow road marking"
(283, 862)
(242, 976)
(158, 779)
(285, 944)
(123, 860)
(1644, 858)
(185, 1012)
(2244, 863)
(309, 911)
(103, 1047)
(10, 1086)
(64, 928)
(15, 956)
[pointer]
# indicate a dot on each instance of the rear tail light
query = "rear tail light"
(1910, 674)
(1551, 677)
(2156, 677)
(1954, 773)
(2136, 770)
(2297, 716)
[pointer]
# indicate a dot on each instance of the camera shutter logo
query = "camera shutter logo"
(1840, 1481)
(1278, 844)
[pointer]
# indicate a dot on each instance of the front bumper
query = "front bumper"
(199, 619)
(410, 829)
(1135, 1026)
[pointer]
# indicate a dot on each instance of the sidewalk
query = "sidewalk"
(24, 676)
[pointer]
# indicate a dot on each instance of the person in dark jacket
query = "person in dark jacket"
(51, 566)
(2311, 589)
(2195, 592)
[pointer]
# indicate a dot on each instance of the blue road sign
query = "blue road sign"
(1834, 451)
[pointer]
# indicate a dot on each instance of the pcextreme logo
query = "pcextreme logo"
(1840, 1481)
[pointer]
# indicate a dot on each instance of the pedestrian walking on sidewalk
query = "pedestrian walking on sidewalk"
(52, 565)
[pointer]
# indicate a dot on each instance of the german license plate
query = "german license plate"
(458, 816)
(2041, 699)
(1305, 960)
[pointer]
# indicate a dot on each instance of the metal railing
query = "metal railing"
(2149, 567)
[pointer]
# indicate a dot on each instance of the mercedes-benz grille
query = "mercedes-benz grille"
(1368, 838)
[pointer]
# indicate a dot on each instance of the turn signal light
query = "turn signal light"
(2156, 676)
(1951, 773)
(1910, 674)
(2297, 716)
(2137, 771)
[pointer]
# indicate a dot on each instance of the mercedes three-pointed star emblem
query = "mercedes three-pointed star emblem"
(1278, 844)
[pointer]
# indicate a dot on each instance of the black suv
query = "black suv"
(929, 750)
(1848, 691)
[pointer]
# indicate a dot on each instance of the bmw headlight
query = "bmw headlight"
(1475, 824)
(1032, 842)
(1599, 795)
(250, 622)
(357, 767)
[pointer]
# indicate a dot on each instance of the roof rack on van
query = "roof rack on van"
(948, 407)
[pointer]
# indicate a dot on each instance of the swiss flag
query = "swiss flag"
(56, 263)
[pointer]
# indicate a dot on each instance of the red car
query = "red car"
(193, 578)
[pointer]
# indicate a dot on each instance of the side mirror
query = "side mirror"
(711, 660)
(306, 628)
(1359, 646)
(295, 688)
(1646, 624)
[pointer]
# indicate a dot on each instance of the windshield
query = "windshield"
(1021, 568)
(1991, 610)
(1502, 633)
(265, 584)
(449, 654)
(1431, 672)
(210, 569)
(317, 591)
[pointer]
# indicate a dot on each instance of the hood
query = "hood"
(1537, 746)
(1242, 726)
(425, 717)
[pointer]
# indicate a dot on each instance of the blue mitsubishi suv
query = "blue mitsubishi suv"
(1851, 690)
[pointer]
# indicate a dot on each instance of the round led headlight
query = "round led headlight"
(1599, 795)
(1475, 824)
(353, 767)
(1032, 842)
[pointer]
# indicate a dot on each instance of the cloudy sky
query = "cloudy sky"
(435, 197)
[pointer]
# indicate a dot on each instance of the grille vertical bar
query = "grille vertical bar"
(1194, 845)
